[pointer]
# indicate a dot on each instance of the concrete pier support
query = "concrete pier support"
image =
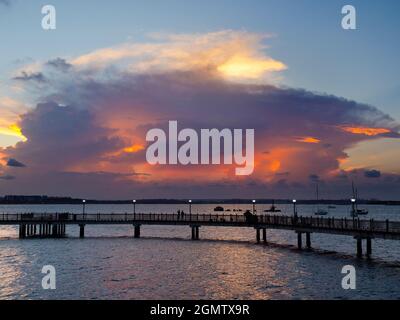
(81, 231)
(258, 235)
(359, 247)
(22, 231)
(299, 240)
(308, 240)
(264, 235)
(136, 230)
(369, 247)
(195, 232)
(54, 230)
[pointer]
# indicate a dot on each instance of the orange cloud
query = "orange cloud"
(365, 131)
(232, 54)
(275, 165)
(308, 140)
(134, 148)
(249, 67)
(13, 130)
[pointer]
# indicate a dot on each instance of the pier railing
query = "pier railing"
(329, 223)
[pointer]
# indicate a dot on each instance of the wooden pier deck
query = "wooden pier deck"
(53, 225)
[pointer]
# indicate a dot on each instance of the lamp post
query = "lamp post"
(134, 208)
(294, 208)
(254, 206)
(353, 207)
(83, 207)
(190, 207)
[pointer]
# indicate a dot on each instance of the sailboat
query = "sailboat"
(273, 208)
(355, 211)
(319, 212)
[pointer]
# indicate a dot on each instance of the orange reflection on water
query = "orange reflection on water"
(11, 258)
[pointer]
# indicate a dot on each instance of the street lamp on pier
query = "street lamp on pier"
(294, 208)
(353, 207)
(83, 206)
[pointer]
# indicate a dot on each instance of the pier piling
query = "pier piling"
(22, 231)
(195, 232)
(308, 240)
(369, 247)
(299, 240)
(81, 231)
(136, 231)
(359, 248)
(264, 234)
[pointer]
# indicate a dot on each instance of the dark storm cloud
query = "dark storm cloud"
(35, 76)
(372, 174)
(102, 113)
(15, 163)
(62, 136)
(60, 64)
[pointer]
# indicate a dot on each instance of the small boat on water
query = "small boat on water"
(331, 207)
(362, 212)
(354, 209)
(319, 211)
(219, 209)
(273, 208)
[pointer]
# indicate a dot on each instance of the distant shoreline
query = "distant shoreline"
(40, 200)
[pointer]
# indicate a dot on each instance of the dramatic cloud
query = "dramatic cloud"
(9, 116)
(236, 55)
(87, 137)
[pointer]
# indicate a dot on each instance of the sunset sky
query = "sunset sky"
(76, 102)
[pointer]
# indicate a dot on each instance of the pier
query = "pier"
(44, 225)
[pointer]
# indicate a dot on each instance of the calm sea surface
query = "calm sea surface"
(165, 264)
